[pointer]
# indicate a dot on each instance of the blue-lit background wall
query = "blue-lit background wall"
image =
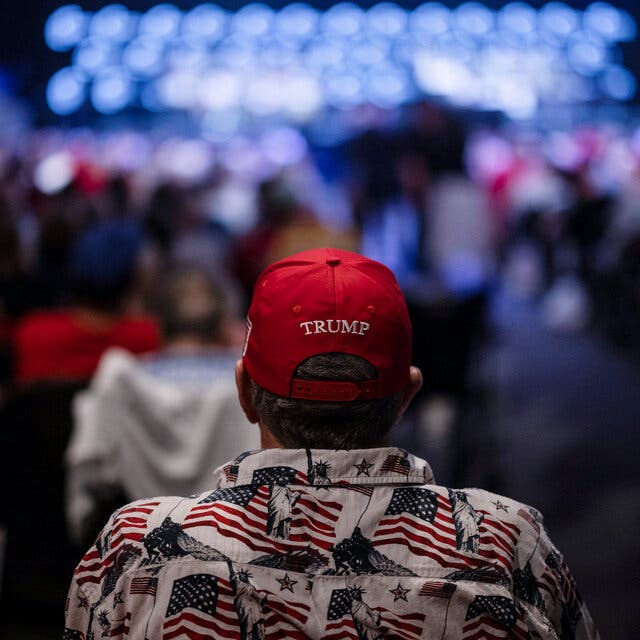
(226, 64)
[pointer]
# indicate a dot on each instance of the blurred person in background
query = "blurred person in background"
(284, 226)
(158, 424)
(66, 344)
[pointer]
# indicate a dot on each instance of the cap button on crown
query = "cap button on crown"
(333, 262)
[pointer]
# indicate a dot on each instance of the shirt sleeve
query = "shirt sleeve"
(88, 601)
(562, 602)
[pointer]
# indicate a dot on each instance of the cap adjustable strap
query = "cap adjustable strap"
(335, 391)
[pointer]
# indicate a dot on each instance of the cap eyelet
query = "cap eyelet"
(371, 310)
(296, 308)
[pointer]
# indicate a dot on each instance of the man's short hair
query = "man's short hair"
(358, 424)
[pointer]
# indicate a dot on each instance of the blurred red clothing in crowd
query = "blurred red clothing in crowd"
(67, 345)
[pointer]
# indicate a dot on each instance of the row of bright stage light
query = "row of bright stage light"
(295, 62)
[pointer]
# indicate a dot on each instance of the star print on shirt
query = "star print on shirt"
(500, 506)
(363, 467)
(399, 593)
(286, 583)
(83, 602)
(117, 598)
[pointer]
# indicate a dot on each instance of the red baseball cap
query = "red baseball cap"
(327, 301)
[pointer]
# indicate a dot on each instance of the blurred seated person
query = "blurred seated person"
(67, 343)
(154, 425)
(285, 226)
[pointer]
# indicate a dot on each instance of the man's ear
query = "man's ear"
(415, 384)
(243, 383)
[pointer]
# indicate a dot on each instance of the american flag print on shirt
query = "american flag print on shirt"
(202, 604)
(290, 545)
(242, 514)
(423, 521)
(350, 616)
(146, 585)
(494, 618)
(395, 463)
(128, 526)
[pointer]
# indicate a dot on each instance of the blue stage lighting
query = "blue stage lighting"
(344, 19)
(367, 51)
(112, 90)
(619, 83)
(65, 27)
(253, 20)
(429, 19)
(220, 126)
(275, 53)
(262, 95)
(609, 22)
(297, 21)
(66, 91)
(181, 54)
(302, 97)
(284, 146)
(178, 89)
(387, 85)
(113, 22)
(236, 52)
(387, 18)
(219, 90)
(474, 18)
(149, 98)
(322, 53)
(144, 57)
(93, 54)
(161, 21)
(558, 19)
(587, 56)
(518, 18)
(207, 22)
(343, 88)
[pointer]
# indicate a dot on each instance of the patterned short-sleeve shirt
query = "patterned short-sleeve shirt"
(326, 544)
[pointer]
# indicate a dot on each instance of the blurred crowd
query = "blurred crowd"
(91, 223)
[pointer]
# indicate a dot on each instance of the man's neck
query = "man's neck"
(269, 441)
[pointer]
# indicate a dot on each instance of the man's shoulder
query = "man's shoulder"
(499, 507)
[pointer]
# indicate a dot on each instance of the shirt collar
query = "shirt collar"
(325, 467)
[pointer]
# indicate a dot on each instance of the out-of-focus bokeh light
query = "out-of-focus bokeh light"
(284, 146)
(188, 160)
(113, 22)
(220, 90)
(518, 18)
(93, 54)
(65, 27)
(609, 22)
(429, 19)
(54, 172)
(297, 22)
(344, 19)
(474, 18)
(296, 62)
(112, 90)
(253, 20)
(386, 18)
(558, 19)
(144, 57)
(66, 91)
(206, 22)
(619, 83)
(162, 21)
